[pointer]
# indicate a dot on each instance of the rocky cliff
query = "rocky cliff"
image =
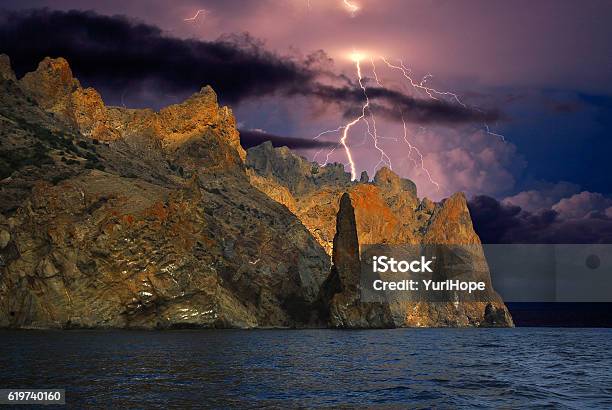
(114, 217)
(386, 211)
(130, 218)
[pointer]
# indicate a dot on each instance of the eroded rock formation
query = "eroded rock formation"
(114, 217)
(155, 227)
(341, 291)
(387, 211)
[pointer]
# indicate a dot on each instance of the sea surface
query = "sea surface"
(443, 368)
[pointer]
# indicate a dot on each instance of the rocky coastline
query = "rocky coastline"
(130, 218)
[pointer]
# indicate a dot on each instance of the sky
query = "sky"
(511, 102)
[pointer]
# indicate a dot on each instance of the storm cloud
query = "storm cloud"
(397, 106)
(115, 54)
(497, 222)
(252, 138)
(116, 51)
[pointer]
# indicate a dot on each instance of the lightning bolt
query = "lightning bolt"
(349, 156)
(418, 152)
(203, 12)
(320, 135)
(327, 157)
(431, 92)
(351, 7)
(486, 126)
(367, 116)
(329, 132)
(374, 72)
(384, 158)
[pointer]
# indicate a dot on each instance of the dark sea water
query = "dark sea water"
(444, 368)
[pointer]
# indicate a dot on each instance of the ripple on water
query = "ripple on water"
(415, 367)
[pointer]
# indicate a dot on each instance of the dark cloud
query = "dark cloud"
(116, 54)
(252, 138)
(497, 222)
(565, 108)
(396, 105)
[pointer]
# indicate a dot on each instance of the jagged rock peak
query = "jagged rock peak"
(345, 256)
(199, 117)
(52, 77)
(427, 205)
(51, 85)
(341, 291)
(385, 178)
(364, 178)
(452, 223)
(205, 96)
(293, 171)
(5, 68)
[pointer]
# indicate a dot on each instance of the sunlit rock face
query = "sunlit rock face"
(341, 293)
(112, 217)
(386, 211)
(130, 218)
(54, 89)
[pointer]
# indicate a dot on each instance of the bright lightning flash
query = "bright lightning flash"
(431, 92)
(202, 12)
(351, 7)
(420, 162)
(367, 116)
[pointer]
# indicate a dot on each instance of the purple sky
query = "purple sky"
(545, 65)
(546, 43)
